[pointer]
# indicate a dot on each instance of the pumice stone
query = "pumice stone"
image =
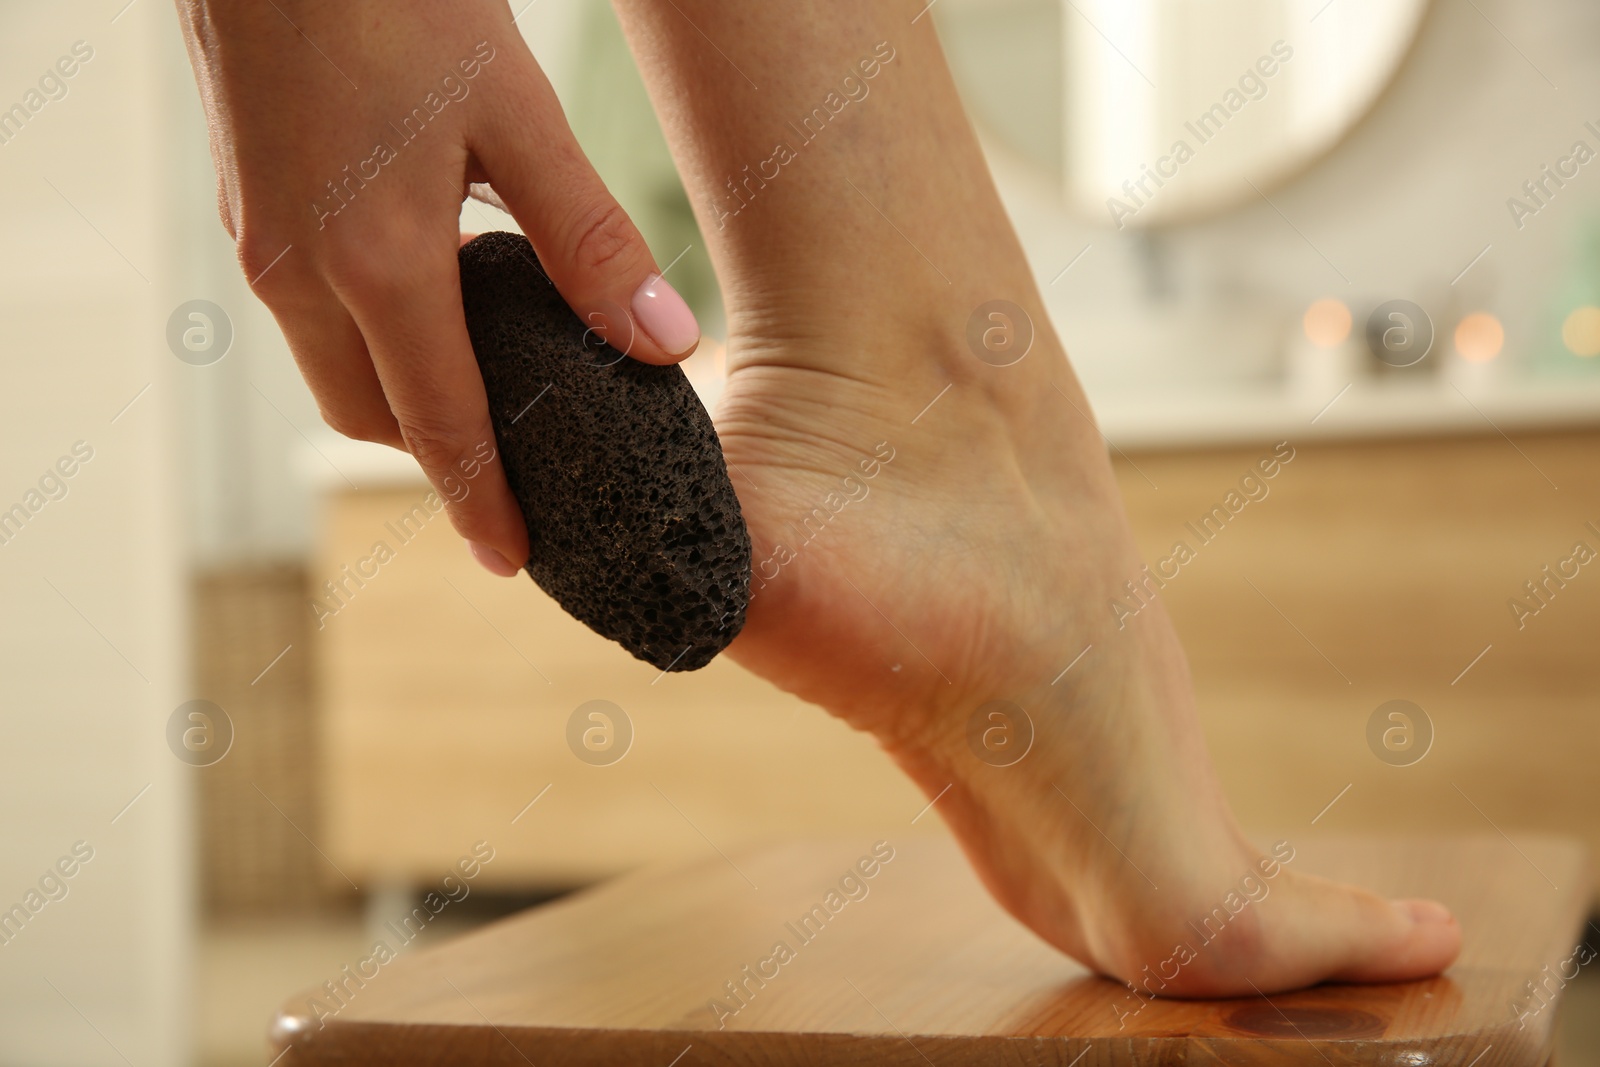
(633, 525)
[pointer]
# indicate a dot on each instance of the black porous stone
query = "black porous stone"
(633, 525)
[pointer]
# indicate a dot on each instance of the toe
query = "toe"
(1422, 939)
(1314, 930)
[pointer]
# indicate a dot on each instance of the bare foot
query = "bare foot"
(978, 562)
(908, 575)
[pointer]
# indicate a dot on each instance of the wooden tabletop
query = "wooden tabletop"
(915, 965)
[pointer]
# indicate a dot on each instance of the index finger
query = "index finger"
(409, 310)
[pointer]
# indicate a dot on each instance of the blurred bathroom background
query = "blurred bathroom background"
(1369, 228)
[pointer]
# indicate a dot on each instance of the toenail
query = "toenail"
(1424, 911)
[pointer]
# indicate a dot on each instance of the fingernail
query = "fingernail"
(665, 317)
(492, 561)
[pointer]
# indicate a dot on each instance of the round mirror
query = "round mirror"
(1157, 111)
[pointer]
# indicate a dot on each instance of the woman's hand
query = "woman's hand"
(345, 137)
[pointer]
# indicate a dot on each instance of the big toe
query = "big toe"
(1422, 939)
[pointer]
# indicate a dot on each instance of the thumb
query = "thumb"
(588, 245)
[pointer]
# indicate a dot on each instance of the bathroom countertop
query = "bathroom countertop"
(1363, 409)
(1195, 418)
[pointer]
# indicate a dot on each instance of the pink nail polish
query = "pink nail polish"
(665, 317)
(492, 561)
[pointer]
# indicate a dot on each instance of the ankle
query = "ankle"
(896, 312)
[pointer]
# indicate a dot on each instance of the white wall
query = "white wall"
(90, 648)
(199, 470)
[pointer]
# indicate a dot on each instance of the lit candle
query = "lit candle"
(1324, 356)
(1476, 362)
(1581, 332)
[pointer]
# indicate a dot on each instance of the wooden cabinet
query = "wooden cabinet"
(1381, 571)
(446, 697)
(1369, 572)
